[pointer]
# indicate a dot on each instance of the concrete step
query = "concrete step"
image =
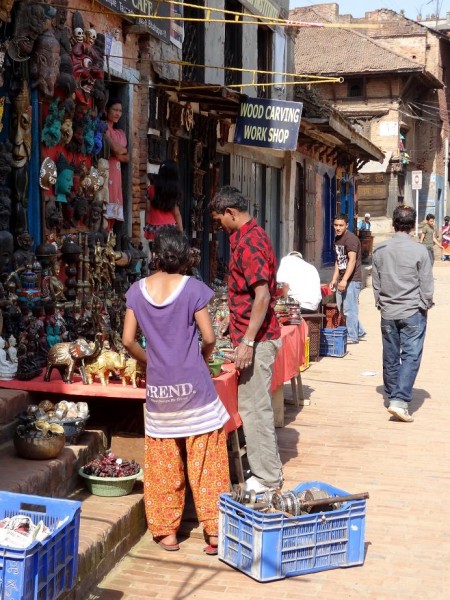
(56, 478)
(109, 528)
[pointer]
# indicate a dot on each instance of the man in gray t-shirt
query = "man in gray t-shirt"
(428, 236)
(402, 280)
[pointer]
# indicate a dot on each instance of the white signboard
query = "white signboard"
(416, 180)
(388, 128)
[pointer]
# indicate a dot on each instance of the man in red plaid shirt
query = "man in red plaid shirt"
(254, 332)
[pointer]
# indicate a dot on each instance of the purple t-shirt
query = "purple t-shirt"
(180, 392)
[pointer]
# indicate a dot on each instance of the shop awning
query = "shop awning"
(215, 99)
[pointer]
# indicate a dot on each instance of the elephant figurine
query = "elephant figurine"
(133, 372)
(69, 356)
(103, 365)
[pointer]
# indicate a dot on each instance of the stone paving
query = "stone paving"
(345, 438)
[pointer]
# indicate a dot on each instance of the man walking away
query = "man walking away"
(347, 277)
(254, 332)
(402, 282)
(428, 237)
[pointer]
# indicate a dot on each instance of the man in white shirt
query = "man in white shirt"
(300, 281)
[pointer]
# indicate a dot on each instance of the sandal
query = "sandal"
(167, 547)
(210, 550)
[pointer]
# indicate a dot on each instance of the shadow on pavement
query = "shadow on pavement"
(419, 397)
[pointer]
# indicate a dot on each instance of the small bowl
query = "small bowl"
(215, 366)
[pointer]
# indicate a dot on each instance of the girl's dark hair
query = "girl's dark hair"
(167, 187)
(112, 101)
(172, 250)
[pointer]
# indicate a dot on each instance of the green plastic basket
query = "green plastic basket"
(109, 486)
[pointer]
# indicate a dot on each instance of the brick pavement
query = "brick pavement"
(345, 438)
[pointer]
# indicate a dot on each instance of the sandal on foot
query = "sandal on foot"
(210, 550)
(167, 547)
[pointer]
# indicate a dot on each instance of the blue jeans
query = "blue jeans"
(402, 352)
(349, 301)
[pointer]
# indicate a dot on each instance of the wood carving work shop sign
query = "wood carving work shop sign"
(157, 27)
(268, 123)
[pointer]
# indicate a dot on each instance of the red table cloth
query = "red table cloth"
(291, 354)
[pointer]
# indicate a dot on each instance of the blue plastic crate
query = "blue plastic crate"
(333, 342)
(45, 569)
(270, 546)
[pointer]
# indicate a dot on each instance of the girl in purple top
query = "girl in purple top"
(183, 414)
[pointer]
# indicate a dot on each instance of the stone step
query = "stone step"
(55, 478)
(12, 402)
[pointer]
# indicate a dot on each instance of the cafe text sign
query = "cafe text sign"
(268, 123)
(158, 27)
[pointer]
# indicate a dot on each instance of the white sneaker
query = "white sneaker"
(402, 414)
(253, 484)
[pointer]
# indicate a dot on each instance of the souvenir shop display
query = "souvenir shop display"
(63, 270)
(72, 416)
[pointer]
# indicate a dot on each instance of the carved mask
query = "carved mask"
(78, 34)
(86, 71)
(30, 23)
(21, 128)
(47, 174)
(64, 184)
(6, 251)
(90, 35)
(5, 9)
(45, 61)
(5, 209)
(66, 131)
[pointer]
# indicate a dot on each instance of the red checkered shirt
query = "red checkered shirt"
(252, 260)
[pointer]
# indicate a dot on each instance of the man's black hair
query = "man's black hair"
(404, 218)
(341, 217)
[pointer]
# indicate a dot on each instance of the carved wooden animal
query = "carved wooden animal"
(106, 363)
(133, 372)
(68, 356)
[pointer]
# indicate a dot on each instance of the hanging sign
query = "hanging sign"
(268, 123)
(157, 27)
(416, 177)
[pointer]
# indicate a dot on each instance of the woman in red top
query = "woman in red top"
(163, 201)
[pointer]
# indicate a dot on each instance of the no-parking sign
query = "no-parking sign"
(416, 180)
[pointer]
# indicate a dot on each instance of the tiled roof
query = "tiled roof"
(336, 51)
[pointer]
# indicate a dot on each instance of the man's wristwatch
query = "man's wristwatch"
(250, 343)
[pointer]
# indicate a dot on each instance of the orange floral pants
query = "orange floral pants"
(204, 458)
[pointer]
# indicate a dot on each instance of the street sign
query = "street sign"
(416, 180)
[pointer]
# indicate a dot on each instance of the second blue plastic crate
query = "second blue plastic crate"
(333, 342)
(270, 546)
(45, 569)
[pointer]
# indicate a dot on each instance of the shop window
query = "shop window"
(194, 43)
(356, 88)
(233, 45)
(266, 207)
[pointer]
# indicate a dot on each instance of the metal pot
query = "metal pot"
(38, 448)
